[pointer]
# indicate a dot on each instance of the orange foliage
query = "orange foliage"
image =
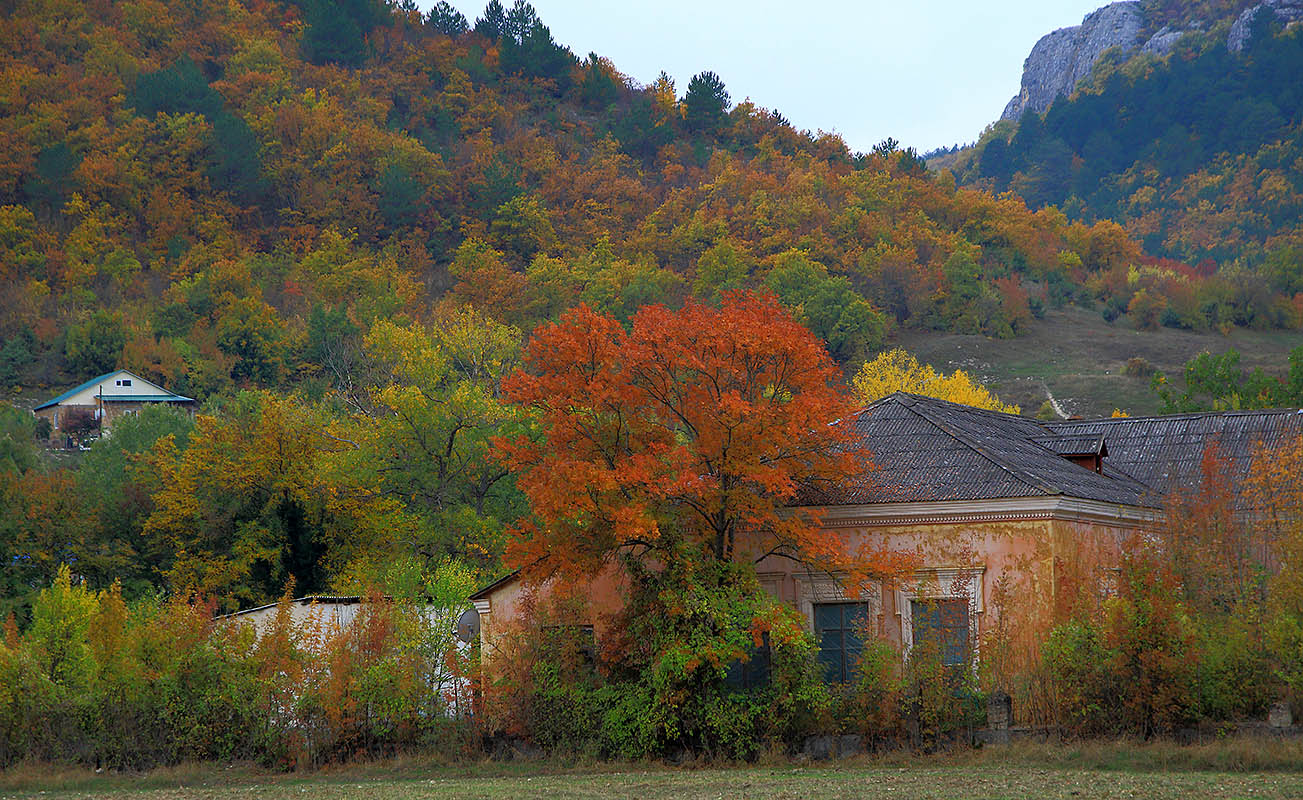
(687, 436)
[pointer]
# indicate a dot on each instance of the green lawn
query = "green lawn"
(1238, 769)
(777, 782)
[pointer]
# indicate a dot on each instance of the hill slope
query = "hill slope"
(200, 190)
(1189, 133)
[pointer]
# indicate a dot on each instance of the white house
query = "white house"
(109, 397)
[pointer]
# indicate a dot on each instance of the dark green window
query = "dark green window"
(753, 673)
(571, 645)
(839, 628)
(944, 622)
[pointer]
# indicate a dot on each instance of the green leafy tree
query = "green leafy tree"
(434, 406)
(250, 330)
(598, 88)
(336, 29)
(94, 346)
(116, 481)
(723, 268)
(60, 632)
(17, 440)
(828, 306)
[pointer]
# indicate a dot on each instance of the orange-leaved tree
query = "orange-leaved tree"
(686, 438)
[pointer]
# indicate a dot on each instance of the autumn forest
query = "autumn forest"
(363, 238)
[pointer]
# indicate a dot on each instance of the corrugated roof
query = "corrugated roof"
(1165, 452)
(926, 450)
(1089, 444)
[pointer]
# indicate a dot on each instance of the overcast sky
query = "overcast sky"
(928, 72)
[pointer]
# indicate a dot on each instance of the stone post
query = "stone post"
(1280, 715)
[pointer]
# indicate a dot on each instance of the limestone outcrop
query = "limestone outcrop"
(1285, 12)
(1062, 58)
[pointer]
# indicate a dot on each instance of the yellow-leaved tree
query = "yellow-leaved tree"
(898, 371)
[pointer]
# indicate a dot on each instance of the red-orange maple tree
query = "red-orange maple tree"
(687, 436)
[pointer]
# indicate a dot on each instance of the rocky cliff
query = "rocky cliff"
(1062, 58)
(1284, 12)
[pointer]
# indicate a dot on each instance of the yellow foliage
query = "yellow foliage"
(898, 371)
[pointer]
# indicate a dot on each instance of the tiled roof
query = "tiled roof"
(925, 450)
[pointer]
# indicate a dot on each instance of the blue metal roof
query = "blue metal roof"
(146, 398)
(56, 401)
(118, 398)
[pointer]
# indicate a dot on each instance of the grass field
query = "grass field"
(1238, 769)
(1079, 358)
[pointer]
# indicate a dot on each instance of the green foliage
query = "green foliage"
(492, 24)
(828, 306)
(446, 19)
(526, 44)
(1218, 383)
(17, 440)
(115, 481)
(435, 409)
(666, 688)
(336, 29)
(251, 332)
(47, 189)
(97, 681)
(235, 163)
(94, 346)
(705, 106)
(598, 88)
(60, 632)
(722, 268)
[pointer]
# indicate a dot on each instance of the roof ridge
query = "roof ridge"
(78, 388)
(1021, 475)
(99, 379)
(1237, 412)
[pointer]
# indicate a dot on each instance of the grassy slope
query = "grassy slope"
(771, 783)
(1079, 357)
(1238, 767)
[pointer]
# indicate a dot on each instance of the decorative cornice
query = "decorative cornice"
(1011, 509)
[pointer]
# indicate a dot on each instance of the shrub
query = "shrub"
(703, 662)
(1138, 367)
(96, 681)
(1133, 666)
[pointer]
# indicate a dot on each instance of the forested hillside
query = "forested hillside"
(185, 182)
(336, 223)
(1198, 153)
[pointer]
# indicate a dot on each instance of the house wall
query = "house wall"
(110, 387)
(1025, 569)
(113, 412)
(1019, 572)
(322, 616)
(506, 606)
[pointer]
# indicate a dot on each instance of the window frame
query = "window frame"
(942, 583)
(845, 627)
